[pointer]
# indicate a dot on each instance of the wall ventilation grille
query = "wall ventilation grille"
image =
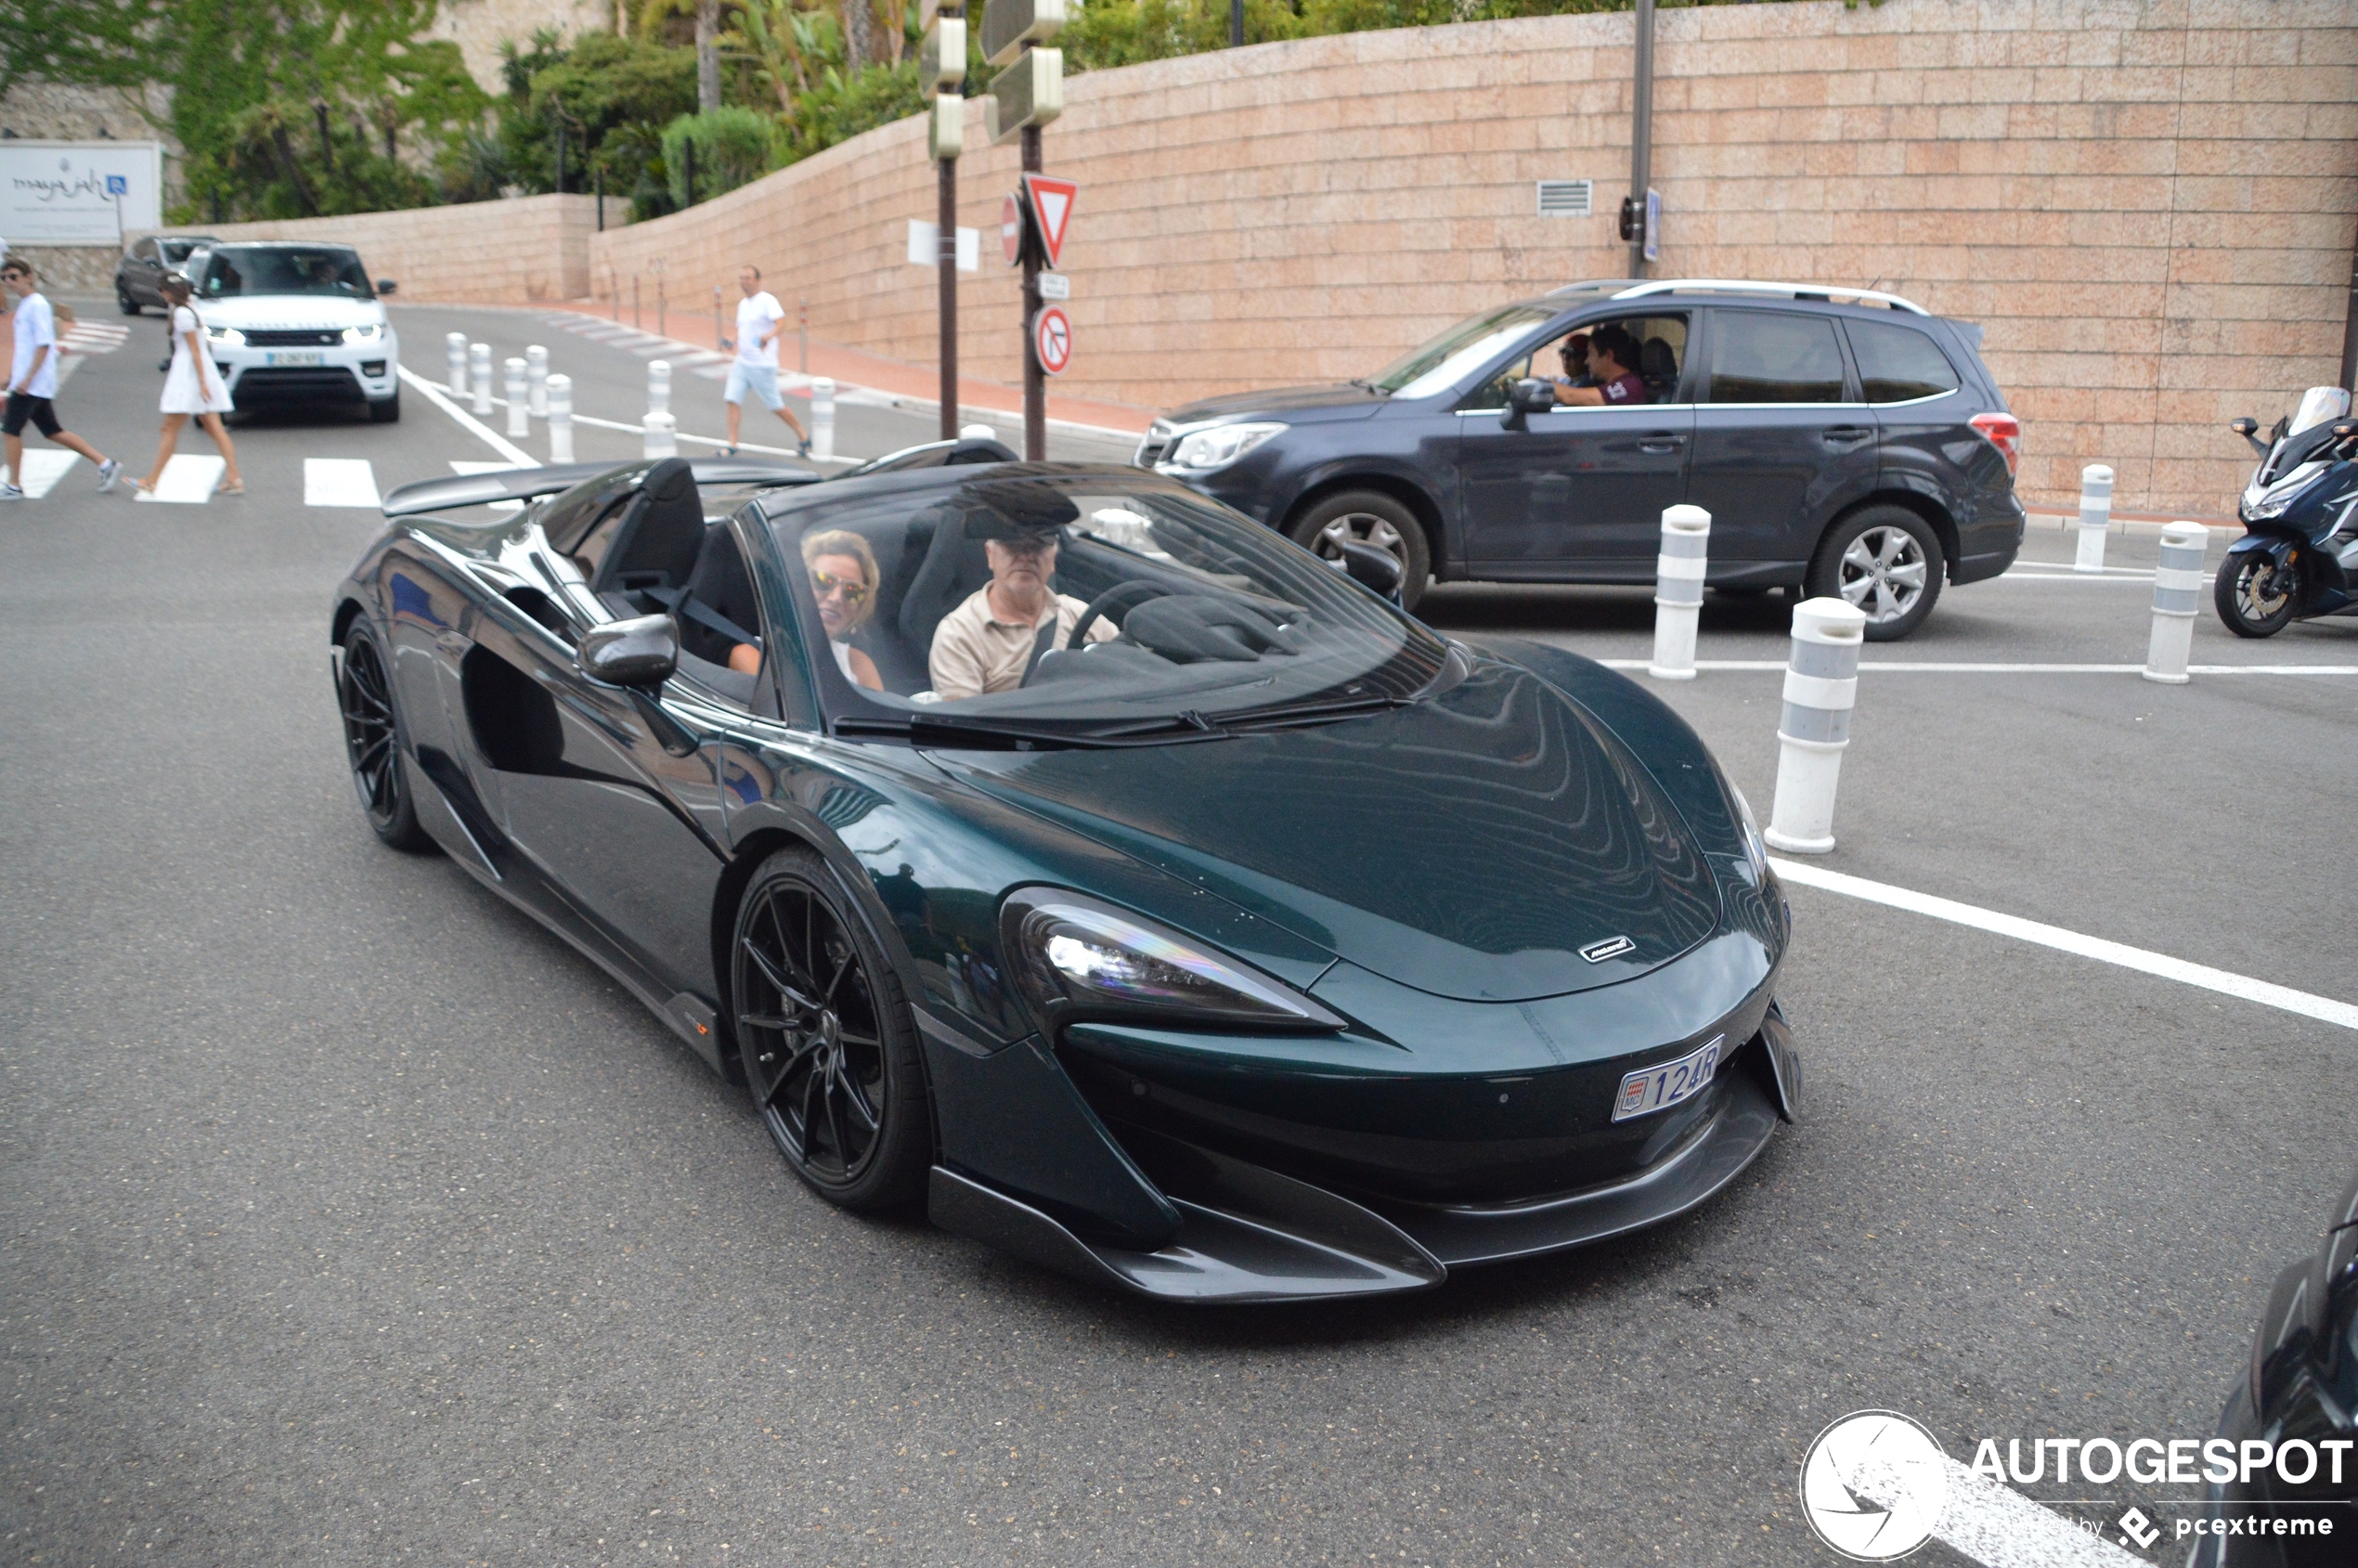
(1564, 198)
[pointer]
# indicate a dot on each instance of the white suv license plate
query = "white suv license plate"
(294, 356)
(1661, 1087)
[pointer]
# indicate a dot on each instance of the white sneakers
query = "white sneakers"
(109, 472)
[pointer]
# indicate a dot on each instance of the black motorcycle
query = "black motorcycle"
(2298, 558)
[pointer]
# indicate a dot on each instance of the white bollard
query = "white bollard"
(456, 343)
(519, 408)
(479, 373)
(1686, 550)
(2095, 516)
(823, 417)
(2177, 596)
(535, 371)
(560, 419)
(976, 432)
(659, 386)
(1821, 685)
(662, 436)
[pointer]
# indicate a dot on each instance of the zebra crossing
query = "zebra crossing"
(352, 482)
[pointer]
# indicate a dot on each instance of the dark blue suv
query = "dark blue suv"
(1843, 441)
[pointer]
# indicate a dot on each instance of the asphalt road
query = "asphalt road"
(349, 1218)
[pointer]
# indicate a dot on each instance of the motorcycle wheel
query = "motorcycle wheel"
(2255, 596)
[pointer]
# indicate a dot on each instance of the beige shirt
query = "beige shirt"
(975, 654)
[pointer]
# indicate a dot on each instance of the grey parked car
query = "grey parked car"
(1844, 441)
(143, 268)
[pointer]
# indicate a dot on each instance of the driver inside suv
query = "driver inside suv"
(1613, 380)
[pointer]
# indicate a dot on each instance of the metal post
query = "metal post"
(946, 249)
(560, 419)
(802, 325)
(2350, 329)
(716, 332)
(661, 331)
(1236, 24)
(1035, 380)
(1642, 133)
(2095, 516)
(614, 292)
(1678, 574)
(635, 320)
(687, 147)
(602, 198)
(479, 374)
(2178, 586)
(561, 152)
(1821, 686)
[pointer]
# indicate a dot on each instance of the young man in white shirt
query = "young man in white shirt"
(33, 381)
(756, 367)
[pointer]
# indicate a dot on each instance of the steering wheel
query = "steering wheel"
(1120, 596)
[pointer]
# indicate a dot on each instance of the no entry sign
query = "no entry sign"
(1052, 340)
(1011, 230)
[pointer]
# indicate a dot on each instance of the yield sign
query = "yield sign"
(1051, 209)
(1052, 340)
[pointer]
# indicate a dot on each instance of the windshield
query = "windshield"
(1442, 362)
(1080, 604)
(286, 269)
(177, 250)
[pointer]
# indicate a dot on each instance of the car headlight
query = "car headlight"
(1075, 957)
(369, 333)
(227, 337)
(1218, 446)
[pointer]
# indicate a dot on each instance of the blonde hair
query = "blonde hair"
(843, 541)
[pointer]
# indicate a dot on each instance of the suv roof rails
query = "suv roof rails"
(1786, 290)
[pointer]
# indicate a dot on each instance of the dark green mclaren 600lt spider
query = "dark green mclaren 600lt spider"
(1056, 848)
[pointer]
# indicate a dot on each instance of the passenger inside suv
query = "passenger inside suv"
(1613, 358)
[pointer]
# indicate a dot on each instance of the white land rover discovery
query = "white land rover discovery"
(289, 322)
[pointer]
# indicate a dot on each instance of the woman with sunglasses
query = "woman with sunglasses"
(843, 580)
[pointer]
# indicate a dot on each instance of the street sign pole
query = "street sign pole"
(1035, 380)
(947, 209)
(943, 65)
(1641, 134)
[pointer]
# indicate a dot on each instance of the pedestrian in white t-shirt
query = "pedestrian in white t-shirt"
(756, 366)
(33, 381)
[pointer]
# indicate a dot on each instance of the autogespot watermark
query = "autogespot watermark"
(1876, 1485)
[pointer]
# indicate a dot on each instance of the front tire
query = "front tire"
(828, 1045)
(2255, 596)
(1887, 561)
(372, 741)
(130, 306)
(388, 411)
(1369, 517)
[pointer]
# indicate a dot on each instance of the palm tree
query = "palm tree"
(707, 18)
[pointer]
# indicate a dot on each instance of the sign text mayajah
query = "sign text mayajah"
(79, 192)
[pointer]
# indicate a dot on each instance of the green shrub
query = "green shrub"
(733, 145)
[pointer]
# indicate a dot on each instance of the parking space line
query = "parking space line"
(2322, 1008)
(1904, 667)
(340, 482)
(42, 468)
(467, 421)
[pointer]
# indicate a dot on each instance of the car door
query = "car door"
(1781, 434)
(1575, 494)
(139, 274)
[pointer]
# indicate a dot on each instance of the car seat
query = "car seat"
(1658, 368)
(716, 610)
(660, 537)
(952, 567)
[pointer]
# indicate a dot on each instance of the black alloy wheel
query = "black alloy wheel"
(1887, 561)
(372, 741)
(828, 1047)
(122, 297)
(2254, 596)
(1374, 518)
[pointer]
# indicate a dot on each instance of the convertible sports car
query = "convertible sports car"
(1243, 941)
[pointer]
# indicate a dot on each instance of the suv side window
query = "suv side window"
(1662, 342)
(1899, 364)
(1769, 357)
(144, 251)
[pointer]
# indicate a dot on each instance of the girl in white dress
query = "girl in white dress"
(192, 387)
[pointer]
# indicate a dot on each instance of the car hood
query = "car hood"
(1469, 844)
(324, 311)
(1339, 401)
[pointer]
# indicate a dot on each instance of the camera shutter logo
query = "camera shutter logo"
(1874, 1485)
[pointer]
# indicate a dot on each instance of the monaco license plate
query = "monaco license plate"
(1664, 1085)
(294, 356)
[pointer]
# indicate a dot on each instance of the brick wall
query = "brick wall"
(2149, 206)
(532, 247)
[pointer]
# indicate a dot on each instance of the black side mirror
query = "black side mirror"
(386, 285)
(2248, 429)
(641, 653)
(1526, 399)
(1374, 569)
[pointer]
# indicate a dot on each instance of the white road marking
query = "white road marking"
(43, 467)
(1998, 1527)
(467, 421)
(2322, 1008)
(1764, 666)
(93, 337)
(187, 481)
(340, 482)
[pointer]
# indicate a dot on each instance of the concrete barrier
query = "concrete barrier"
(1821, 686)
(2178, 586)
(1678, 573)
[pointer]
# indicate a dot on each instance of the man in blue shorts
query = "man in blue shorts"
(33, 381)
(755, 368)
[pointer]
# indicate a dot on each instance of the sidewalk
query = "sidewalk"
(914, 385)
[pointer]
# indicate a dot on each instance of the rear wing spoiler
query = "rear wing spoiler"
(525, 484)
